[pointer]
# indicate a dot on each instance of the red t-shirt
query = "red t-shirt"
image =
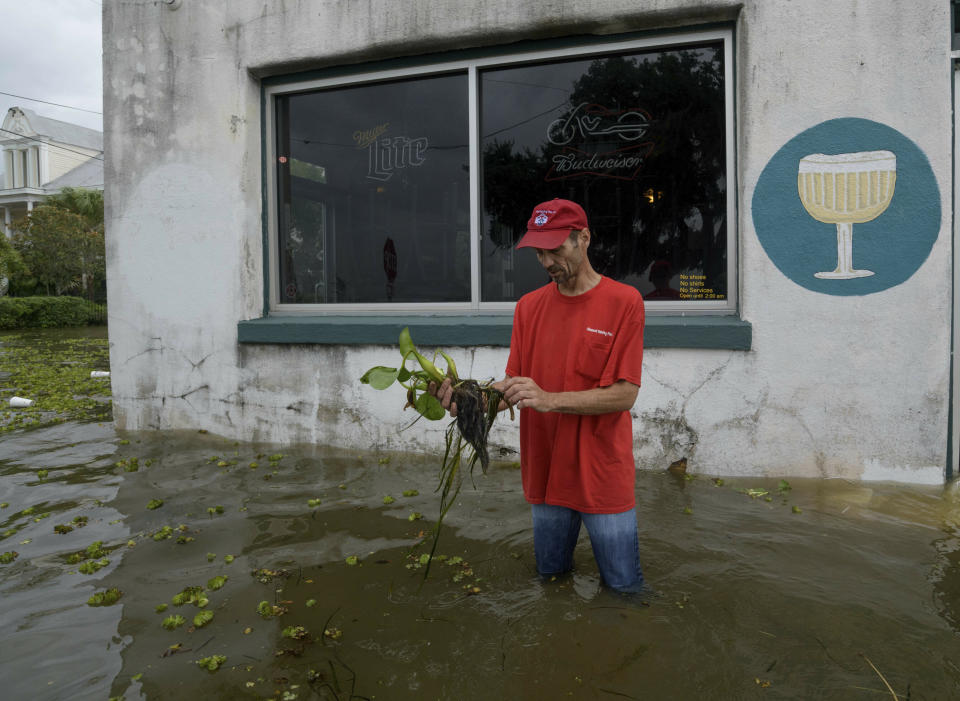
(575, 343)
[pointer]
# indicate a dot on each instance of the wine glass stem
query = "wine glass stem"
(844, 248)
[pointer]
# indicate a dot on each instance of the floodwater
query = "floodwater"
(823, 590)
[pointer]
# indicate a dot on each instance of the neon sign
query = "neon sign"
(386, 154)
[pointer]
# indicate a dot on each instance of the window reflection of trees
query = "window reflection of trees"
(673, 210)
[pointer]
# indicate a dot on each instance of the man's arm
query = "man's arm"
(524, 393)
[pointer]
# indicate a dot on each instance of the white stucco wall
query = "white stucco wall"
(852, 387)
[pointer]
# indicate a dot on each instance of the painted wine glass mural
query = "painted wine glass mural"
(846, 189)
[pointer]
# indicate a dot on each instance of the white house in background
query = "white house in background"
(40, 157)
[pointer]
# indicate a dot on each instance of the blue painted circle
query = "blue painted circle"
(893, 246)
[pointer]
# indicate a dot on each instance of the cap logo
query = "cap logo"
(541, 219)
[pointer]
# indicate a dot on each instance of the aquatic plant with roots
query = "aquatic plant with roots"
(466, 436)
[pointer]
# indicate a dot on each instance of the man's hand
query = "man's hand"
(524, 393)
(445, 394)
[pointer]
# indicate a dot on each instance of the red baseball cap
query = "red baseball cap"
(551, 222)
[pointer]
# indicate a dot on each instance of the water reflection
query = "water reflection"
(753, 598)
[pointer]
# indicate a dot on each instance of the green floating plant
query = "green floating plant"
(173, 622)
(295, 633)
(105, 598)
(91, 566)
(202, 619)
(8, 557)
(190, 595)
(212, 663)
(477, 407)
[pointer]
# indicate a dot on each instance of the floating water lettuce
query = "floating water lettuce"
(59, 373)
(189, 595)
(9, 557)
(268, 610)
(154, 504)
(410, 492)
(217, 582)
(295, 632)
(105, 598)
(202, 618)
(388, 499)
(91, 566)
(93, 551)
(173, 622)
(212, 663)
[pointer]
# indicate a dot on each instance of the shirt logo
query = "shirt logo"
(598, 331)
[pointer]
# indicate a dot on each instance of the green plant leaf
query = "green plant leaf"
(406, 343)
(212, 663)
(171, 622)
(429, 407)
(379, 377)
(202, 618)
(105, 598)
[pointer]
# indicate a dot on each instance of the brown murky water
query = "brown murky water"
(827, 590)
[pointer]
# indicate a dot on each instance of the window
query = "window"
(374, 193)
(406, 189)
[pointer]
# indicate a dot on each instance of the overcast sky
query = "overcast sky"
(51, 51)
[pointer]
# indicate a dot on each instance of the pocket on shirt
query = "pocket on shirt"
(592, 360)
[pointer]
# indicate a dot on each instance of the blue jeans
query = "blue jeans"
(613, 537)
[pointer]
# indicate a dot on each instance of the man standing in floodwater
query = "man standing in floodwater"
(574, 372)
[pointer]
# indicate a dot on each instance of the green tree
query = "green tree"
(87, 203)
(61, 242)
(11, 264)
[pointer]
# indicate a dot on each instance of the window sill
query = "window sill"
(708, 332)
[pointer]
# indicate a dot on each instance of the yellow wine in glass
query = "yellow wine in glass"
(846, 189)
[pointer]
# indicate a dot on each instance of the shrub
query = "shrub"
(48, 312)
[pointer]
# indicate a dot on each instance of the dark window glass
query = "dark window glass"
(373, 192)
(638, 139)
